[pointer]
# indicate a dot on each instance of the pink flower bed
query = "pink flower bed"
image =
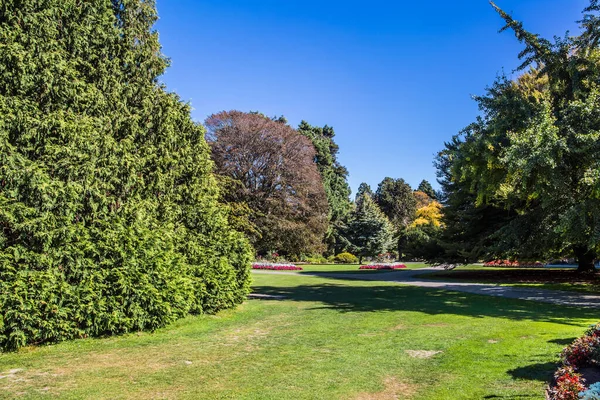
(383, 266)
(509, 263)
(276, 267)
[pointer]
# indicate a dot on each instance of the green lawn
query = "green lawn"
(329, 339)
(351, 268)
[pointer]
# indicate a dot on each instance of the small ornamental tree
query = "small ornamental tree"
(108, 205)
(369, 231)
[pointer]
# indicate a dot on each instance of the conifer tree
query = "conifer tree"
(108, 205)
(335, 181)
(369, 231)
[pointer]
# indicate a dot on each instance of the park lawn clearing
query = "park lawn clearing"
(539, 278)
(354, 268)
(326, 339)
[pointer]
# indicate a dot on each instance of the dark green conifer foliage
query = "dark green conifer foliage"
(107, 201)
(335, 181)
(426, 188)
(369, 232)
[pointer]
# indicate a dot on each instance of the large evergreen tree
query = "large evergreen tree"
(369, 231)
(534, 152)
(426, 188)
(335, 181)
(107, 201)
(395, 198)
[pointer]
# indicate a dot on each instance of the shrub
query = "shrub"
(592, 393)
(568, 385)
(315, 260)
(345, 258)
(583, 352)
(109, 213)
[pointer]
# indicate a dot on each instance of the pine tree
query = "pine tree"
(369, 231)
(108, 206)
(426, 188)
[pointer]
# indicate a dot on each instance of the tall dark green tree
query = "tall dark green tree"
(108, 206)
(363, 189)
(426, 188)
(395, 198)
(369, 231)
(335, 181)
(535, 150)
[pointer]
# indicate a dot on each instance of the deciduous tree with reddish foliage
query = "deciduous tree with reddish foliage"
(275, 175)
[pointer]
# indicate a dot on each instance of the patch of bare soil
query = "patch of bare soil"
(422, 353)
(591, 375)
(394, 389)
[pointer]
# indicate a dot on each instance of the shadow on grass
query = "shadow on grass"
(562, 342)
(325, 272)
(347, 298)
(541, 372)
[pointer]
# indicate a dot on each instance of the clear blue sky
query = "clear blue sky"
(394, 78)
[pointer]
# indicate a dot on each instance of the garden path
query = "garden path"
(411, 277)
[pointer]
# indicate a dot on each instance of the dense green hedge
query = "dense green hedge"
(108, 208)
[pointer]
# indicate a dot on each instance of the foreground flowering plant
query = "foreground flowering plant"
(276, 267)
(568, 382)
(383, 266)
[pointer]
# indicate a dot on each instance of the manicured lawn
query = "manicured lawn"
(329, 339)
(552, 279)
(353, 268)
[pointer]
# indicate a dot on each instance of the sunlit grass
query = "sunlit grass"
(327, 339)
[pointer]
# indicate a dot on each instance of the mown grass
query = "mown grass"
(352, 268)
(328, 339)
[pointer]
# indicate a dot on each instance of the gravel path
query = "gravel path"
(411, 277)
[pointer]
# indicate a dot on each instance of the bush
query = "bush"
(346, 258)
(109, 213)
(315, 260)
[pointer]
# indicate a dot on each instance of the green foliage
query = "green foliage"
(345, 258)
(363, 189)
(368, 231)
(426, 188)
(335, 180)
(109, 213)
(529, 166)
(421, 242)
(395, 198)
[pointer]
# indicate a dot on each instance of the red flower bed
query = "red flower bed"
(568, 385)
(509, 263)
(276, 267)
(383, 266)
(582, 353)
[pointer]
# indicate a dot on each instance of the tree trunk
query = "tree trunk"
(360, 260)
(585, 259)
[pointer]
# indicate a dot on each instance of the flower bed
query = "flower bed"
(383, 266)
(509, 263)
(577, 359)
(276, 267)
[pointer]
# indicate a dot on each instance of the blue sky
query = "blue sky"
(394, 78)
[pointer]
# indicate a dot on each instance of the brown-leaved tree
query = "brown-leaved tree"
(272, 170)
